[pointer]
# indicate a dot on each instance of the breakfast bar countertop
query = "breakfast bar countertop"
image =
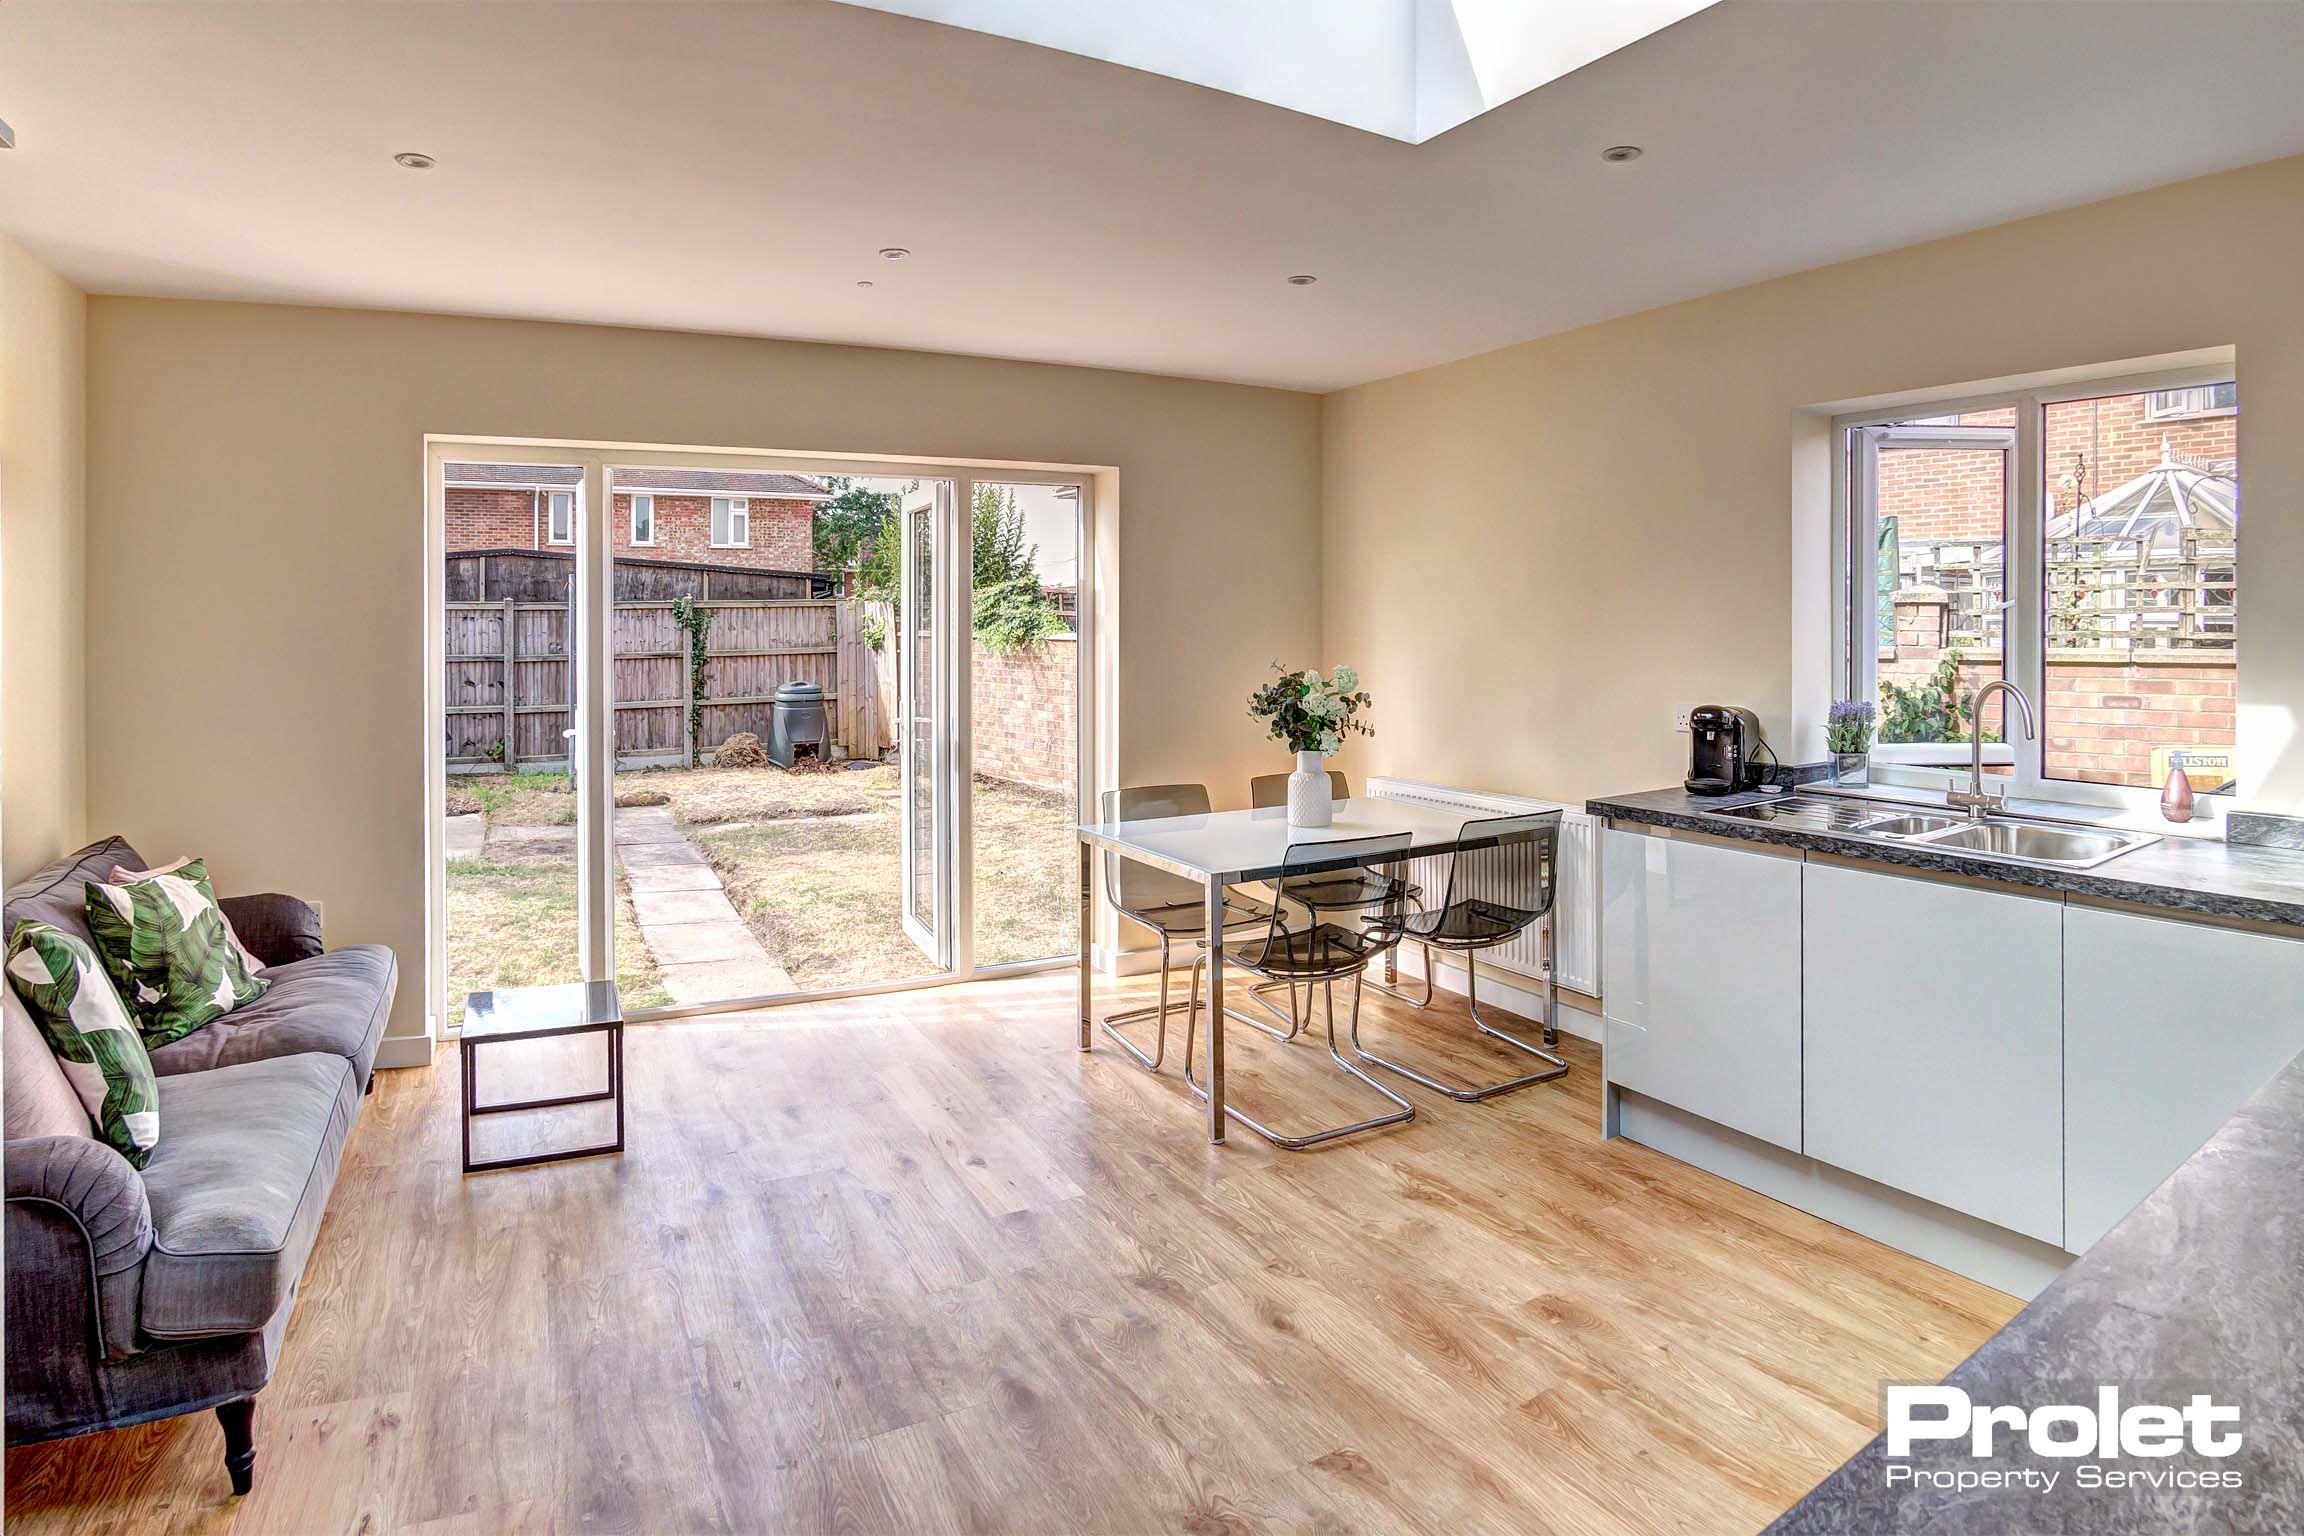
(2199, 1289)
(2206, 876)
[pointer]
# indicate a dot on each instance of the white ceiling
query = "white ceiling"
(734, 168)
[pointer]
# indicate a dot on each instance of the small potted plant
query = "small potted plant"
(1313, 715)
(1848, 732)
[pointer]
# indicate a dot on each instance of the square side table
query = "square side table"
(541, 1013)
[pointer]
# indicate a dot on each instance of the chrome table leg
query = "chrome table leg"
(1087, 937)
(1215, 1011)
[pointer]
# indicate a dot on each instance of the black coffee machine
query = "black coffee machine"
(1724, 747)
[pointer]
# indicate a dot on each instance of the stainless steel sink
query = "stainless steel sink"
(1995, 837)
(2070, 848)
(1911, 826)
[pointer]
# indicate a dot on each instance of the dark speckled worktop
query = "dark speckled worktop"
(2177, 874)
(2199, 1289)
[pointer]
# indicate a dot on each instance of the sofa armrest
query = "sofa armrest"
(278, 930)
(78, 1227)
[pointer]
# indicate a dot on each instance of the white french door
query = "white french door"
(930, 610)
(931, 635)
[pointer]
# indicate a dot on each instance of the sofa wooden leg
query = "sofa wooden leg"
(239, 1421)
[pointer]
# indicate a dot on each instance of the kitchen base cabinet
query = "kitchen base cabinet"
(1933, 1025)
(2169, 1026)
(1700, 978)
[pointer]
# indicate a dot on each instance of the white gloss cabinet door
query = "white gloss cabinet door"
(1700, 978)
(1933, 1060)
(2168, 1028)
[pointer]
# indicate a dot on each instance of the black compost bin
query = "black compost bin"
(797, 726)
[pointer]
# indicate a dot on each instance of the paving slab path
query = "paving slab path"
(702, 946)
(706, 952)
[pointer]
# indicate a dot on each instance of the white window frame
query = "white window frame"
(556, 518)
(1096, 681)
(2191, 404)
(739, 522)
(642, 499)
(1856, 439)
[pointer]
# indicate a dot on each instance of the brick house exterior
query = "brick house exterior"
(510, 506)
(2110, 720)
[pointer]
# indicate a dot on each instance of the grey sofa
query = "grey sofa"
(135, 1295)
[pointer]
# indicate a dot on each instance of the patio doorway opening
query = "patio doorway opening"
(833, 733)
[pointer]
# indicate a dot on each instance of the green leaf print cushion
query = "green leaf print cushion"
(169, 951)
(61, 981)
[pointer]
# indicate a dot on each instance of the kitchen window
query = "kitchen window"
(643, 520)
(559, 517)
(2081, 542)
(731, 522)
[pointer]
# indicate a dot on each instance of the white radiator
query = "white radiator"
(1576, 906)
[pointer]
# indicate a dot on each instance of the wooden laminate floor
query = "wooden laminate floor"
(915, 1264)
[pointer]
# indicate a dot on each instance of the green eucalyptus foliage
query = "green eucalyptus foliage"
(1309, 712)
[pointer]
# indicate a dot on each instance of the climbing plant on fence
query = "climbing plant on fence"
(697, 621)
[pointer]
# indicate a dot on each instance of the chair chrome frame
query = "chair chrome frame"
(1335, 954)
(1541, 829)
(1142, 803)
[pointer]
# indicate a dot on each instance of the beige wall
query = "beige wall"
(255, 505)
(1536, 554)
(43, 564)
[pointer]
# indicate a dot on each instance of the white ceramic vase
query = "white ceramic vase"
(1310, 803)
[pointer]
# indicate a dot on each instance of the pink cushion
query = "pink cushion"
(40, 1100)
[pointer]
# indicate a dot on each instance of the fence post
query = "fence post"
(687, 696)
(511, 658)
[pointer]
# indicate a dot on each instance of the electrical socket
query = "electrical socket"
(1680, 717)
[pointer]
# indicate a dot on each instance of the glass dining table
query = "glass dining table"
(1227, 848)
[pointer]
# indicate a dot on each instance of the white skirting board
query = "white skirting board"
(404, 1051)
(2006, 1261)
(1510, 994)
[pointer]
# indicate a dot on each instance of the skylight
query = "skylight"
(1408, 69)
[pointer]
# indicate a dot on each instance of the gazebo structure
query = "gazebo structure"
(2150, 564)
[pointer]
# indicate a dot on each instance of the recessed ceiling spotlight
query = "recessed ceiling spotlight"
(863, 282)
(409, 159)
(1303, 280)
(1617, 154)
(893, 253)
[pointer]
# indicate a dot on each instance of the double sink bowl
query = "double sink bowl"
(2017, 839)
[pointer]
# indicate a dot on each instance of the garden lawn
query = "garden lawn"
(512, 923)
(812, 862)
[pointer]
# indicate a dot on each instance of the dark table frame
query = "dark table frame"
(468, 1048)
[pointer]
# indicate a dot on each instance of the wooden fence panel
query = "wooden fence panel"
(475, 737)
(756, 646)
(721, 721)
(745, 677)
(475, 631)
(648, 680)
(772, 627)
(540, 684)
(645, 629)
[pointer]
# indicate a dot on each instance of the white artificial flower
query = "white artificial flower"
(1346, 679)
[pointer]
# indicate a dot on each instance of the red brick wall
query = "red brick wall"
(2104, 721)
(781, 533)
(1025, 717)
(506, 517)
(493, 517)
